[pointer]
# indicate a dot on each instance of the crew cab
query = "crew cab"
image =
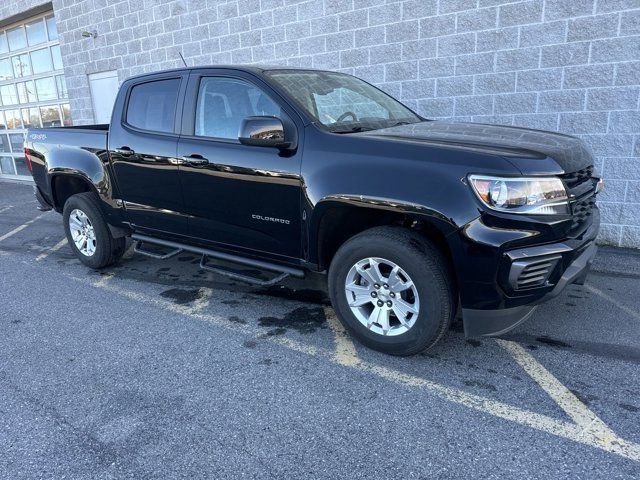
(295, 170)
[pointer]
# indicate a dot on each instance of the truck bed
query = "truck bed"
(52, 147)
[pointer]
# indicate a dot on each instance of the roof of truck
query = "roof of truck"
(256, 69)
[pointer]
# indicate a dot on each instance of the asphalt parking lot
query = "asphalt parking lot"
(156, 369)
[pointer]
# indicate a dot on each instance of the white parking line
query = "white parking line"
(566, 400)
(20, 228)
(345, 353)
(622, 307)
(594, 435)
(4, 209)
(202, 302)
(55, 248)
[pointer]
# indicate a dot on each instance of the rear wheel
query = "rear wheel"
(392, 289)
(88, 233)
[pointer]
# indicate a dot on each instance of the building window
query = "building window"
(33, 91)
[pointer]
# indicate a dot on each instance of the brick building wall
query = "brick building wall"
(566, 65)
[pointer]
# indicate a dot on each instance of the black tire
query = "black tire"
(430, 273)
(108, 249)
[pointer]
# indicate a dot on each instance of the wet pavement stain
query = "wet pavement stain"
(181, 296)
(553, 342)
(303, 320)
(629, 408)
(474, 343)
(233, 303)
(584, 397)
(266, 361)
(234, 319)
(480, 384)
(249, 344)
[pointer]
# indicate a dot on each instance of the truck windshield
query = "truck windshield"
(342, 103)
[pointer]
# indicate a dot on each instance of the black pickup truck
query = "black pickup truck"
(293, 170)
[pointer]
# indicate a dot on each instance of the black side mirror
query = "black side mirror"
(263, 131)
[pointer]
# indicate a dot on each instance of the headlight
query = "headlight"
(531, 195)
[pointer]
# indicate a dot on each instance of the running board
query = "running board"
(241, 277)
(283, 270)
(160, 256)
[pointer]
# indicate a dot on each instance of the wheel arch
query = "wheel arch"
(336, 220)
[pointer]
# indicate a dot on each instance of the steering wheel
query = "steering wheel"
(345, 115)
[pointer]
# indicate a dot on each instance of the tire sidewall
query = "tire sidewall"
(101, 255)
(433, 311)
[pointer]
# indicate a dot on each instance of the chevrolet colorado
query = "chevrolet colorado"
(293, 170)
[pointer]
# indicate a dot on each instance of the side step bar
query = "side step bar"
(177, 247)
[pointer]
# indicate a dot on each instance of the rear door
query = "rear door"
(237, 196)
(143, 139)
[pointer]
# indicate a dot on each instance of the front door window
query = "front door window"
(224, 102)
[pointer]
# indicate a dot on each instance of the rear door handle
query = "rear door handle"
(124, 151)
(194, 159)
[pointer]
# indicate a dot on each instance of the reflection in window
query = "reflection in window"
(17, 38)
(332, 105)
(224, 102)
(4, 46)
(50, 116)
(8, 94)
(4, 143)
(26, 92)
(13, 119)
(6, 166)
(31, 118)
(17, 141)
(21, 65)
(57, 58)
(51, 28)
(3, 124)
(46, 89)
(6, 71)
(62, 86)
(66, 114)
(21, 166)
(152, 105)
(35, 32)
(41, 60)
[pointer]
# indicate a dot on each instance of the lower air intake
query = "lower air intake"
(531, 273)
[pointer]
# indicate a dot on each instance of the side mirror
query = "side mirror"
(263, 132)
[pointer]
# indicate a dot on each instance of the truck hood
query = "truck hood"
(517, 145)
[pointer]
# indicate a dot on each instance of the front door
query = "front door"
(143, 150)
(237, 195)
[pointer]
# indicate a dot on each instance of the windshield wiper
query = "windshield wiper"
(397, 124)
(357, 129)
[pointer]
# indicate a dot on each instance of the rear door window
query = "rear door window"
(152, 105)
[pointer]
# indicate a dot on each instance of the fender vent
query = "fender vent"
(533, 272)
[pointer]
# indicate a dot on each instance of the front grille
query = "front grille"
(582, 210)
(574, 179)
(581, 189)
(530, 273)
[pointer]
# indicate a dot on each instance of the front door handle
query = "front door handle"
(124, 151)
(194, 159)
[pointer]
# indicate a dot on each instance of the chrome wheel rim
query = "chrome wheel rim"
(82, 232)
(382, 296)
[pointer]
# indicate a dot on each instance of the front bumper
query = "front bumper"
(505, 272)
(496, 322)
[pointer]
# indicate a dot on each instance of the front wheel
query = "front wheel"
(392, 289)
(87, 232)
